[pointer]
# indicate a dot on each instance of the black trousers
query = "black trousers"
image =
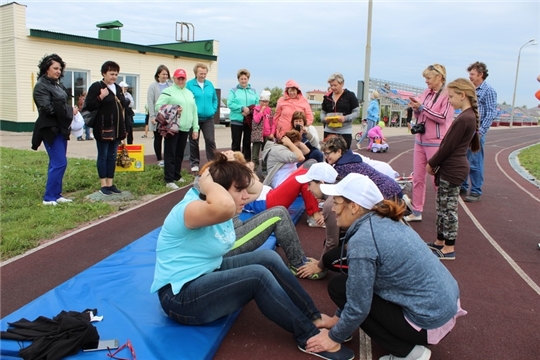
(174, 155)
(346, 137)
(331, 260)
(236, 134)
(158, 141)
(385, 323)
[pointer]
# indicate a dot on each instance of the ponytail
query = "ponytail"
(475, 142)
(390, 209)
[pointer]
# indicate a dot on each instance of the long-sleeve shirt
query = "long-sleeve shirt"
(388, 258)
(175, 95)
(347, 104)
(451, 158)
(437, 114)
(239, 98)
(487, 106)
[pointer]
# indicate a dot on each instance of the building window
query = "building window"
(311, 97)
(133, 82)
(76, 82)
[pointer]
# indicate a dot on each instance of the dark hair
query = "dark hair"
(293, 135)
(159, 70)
(46, 62)
(334, 143)
(480, 67)
(225, 172)
(109, 66)
(298, 115)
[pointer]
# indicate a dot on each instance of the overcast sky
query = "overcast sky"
(309, 40)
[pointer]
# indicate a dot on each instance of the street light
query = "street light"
(530, 42)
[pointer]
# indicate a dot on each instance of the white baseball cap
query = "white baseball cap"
(123, 84)
(356, 187)
(319, 172)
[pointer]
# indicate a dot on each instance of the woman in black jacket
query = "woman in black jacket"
(53, 124)
(109, 128)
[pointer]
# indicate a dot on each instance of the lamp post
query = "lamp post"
(367, 62)
(530, 42)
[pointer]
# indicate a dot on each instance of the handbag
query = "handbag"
(123, 160)
(89, 117)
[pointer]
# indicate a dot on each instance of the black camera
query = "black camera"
(419, 128)
(298, 128)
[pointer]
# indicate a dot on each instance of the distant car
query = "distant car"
(224, 113)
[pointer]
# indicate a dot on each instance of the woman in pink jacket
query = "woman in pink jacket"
(291, 101)
(434, 115)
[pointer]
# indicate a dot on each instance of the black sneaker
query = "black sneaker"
(344, 353)
(105, 191)
(472, 198)
(114, 189)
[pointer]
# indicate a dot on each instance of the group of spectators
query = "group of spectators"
(388, 282)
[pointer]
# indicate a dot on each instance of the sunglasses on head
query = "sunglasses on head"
(431, 67)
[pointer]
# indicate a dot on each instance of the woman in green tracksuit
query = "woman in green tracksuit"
(178, 94)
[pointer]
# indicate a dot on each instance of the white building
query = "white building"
(22, 49)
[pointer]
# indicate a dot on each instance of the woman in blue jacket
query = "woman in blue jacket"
(239, 101)
(395, 290)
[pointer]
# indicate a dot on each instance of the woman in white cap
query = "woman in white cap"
(395, 289)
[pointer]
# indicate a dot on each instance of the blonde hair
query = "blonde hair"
(465, 86)
(199, 65)
(243, 72)
(337, 77)
(435, 69)
(375, 94)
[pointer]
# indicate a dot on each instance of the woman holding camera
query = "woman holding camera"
(433, 115)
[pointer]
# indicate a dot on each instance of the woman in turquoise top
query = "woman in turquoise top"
(196, 284)
(178, 94)
(241, 97)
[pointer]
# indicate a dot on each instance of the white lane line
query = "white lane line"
(365, 346)
(497, 247)
(508, 176)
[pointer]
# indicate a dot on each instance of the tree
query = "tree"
(275, 94)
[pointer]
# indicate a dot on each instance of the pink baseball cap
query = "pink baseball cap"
(180, 73)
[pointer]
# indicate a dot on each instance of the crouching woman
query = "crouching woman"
(395, 290)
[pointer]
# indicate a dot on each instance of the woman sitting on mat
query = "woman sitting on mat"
(395, 289)
(254, 232)
(197, 285)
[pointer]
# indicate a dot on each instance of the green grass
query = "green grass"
(25, 222)
(530, 160)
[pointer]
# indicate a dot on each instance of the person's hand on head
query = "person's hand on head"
(230, 155)
(205, 180)
(286, 141)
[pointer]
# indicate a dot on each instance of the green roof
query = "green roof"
(189, 51)
(110, 24)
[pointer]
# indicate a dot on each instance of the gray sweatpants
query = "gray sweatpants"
(252, 233)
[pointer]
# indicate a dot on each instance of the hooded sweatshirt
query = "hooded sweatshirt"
(286, 106)
(437, 114)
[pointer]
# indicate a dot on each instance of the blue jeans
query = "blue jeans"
(261, 276)
(57, 167)
(476, 172)
(106, 158)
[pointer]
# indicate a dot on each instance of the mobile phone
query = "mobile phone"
(101, 345)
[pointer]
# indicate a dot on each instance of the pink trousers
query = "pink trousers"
(420, 158)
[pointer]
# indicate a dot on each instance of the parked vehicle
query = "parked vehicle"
(224, 113)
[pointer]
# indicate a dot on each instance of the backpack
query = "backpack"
(167, 120)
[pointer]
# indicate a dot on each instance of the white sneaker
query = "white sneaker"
(172, 186)
(195, 168)
(161, 163)
(181, 181)
(51, 203)
(419, 352)
(313, 223)
(413, 217)
(62, 200)
(407, 201)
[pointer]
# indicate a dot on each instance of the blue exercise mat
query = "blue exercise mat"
(119, 287)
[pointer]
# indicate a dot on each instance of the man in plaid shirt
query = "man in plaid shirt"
(487, 107)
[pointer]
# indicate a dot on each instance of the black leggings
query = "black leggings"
(385, 323)
(158, 142)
